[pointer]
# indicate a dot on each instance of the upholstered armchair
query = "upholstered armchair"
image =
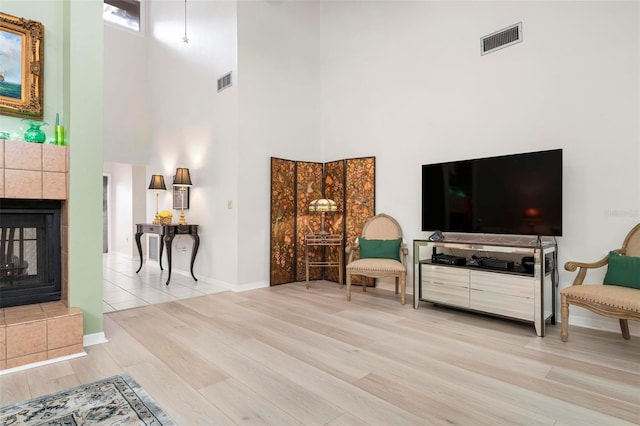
(382, 253)
(618, 297)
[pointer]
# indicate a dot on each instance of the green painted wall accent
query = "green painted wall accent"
(83, 70)
(73, 87)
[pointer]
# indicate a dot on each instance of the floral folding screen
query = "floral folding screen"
(294, 184)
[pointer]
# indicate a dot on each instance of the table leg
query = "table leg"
(196, 244)
(138, 235)
(306, 262)
(340, 260)
(161, 250)
(168, 240)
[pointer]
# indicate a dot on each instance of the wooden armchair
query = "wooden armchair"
(612, 301)
(383, 253)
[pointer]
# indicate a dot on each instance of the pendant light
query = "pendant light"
(185, 38)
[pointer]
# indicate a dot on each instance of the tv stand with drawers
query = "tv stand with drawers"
(492, 279)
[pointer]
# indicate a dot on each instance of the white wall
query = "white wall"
(127, 144)
(126, 112)
(225, 146)
(127, 208)
(278, 99)
(405, 82)
(420, 92)
(121, 207)
(139, 212)
(194, 126)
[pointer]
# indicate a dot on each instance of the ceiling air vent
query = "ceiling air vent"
(500, 39)
(224, 81)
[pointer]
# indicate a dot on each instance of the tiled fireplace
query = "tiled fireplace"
(38, 327)
(30, 252)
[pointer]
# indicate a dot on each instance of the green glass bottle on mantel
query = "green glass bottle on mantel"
(34, 133)
(58, 132)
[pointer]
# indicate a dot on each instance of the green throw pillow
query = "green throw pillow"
(380, 249)
(623, 271)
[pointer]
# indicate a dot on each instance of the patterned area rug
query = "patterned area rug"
(118, 400)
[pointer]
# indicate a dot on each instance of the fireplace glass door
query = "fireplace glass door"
(30, 246)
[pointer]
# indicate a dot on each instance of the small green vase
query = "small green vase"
(33, 133)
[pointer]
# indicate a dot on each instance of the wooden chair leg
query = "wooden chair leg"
(624, 327)
(397, 280)
(348, 286)
(564, 314)
(403, 288)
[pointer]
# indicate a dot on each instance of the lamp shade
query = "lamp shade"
(323, 205)
(157, 182)
(182, 178)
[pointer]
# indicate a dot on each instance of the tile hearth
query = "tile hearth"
(34, 333)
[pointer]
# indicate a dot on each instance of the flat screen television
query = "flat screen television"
(519, 194)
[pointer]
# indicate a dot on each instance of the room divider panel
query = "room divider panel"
(294, 184)
(309, 186)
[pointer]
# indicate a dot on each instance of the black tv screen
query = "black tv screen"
(518, 194)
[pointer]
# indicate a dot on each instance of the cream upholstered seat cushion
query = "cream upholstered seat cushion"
(377, 265)
(606, 295)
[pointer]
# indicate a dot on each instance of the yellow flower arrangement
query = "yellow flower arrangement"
(165, 217)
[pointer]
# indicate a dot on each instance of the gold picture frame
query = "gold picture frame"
(21, 67)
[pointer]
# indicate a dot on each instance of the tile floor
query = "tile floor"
(124, 289)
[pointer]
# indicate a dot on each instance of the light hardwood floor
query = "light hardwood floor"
(288, 355)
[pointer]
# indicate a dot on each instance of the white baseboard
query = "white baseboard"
(123, 256)
(94, 339)
(238, 288)
(41, 363)
(602, 323)
(391, 286)
(202, 279)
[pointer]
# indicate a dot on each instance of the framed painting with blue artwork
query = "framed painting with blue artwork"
(21, 67)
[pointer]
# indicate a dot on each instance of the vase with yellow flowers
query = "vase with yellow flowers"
(165, 217)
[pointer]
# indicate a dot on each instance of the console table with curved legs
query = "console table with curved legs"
(167, 233)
